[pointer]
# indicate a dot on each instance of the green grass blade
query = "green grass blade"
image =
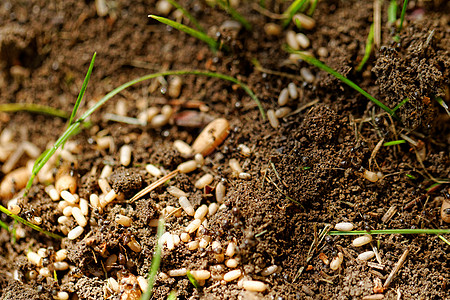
(392, 12)
(156, 261)
(292, 10)
(392, 231)
(83, 90)
(444, 239)
(315, 62)
(443, 104)
(187, 15)
(172, 296)
(400, 104)
(74, 128)
(31, 225)
(237, 16)
(192, 280)
(368, 50)
(35, 108)
(186, 29)
(312, 8)
(402, 16)
(393, 143)
(4, 225)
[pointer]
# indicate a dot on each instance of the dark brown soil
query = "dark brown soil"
(305, 174)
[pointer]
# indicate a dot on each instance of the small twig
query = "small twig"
(375, 151)
(123, 119)
(278, 175)
(397, 267)
(377, 22)
(266, 12)
(301, 108)
(377, 254)
(154, 185)
(261, 69)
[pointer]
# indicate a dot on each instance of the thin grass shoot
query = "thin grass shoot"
(292, 10)
(443, 104)
(393, 143)
(400, 104)
(315, 62)
(82, 91)
(192, 280)
(191, 31)
(402, 18)
(156, 261)
(34, 108)
(237, 16)
(4, 225)
(172, 295)
(411, 176)
(368, 49)
(187, 15)
(29, 224)
(392, 12)
(312, 8)
(75, 127)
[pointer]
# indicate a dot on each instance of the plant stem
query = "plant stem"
(315, 62)
(292, 10)
(36, 108)
(31, 225)
(191, 31)
(368, 49)
(392, 231)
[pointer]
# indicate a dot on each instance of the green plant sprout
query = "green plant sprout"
(315, 62)
(29, 224)
(187, 15)
(237, 16)
(75, 127)
(35, 108)
(443, 104)
(172, 296)
(400, 104)
(402, 18)
(368, 50)
(292, 10)
(392, 12)
(312, 8)
(82, 91)
(192, 280)
(213, 44)
(411, 176)
(4, 225)
(156, 261)
(393, 143)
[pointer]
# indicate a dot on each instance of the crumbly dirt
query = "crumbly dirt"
(304, 175)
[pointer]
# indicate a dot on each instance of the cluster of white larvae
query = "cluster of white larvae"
(337, 261)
